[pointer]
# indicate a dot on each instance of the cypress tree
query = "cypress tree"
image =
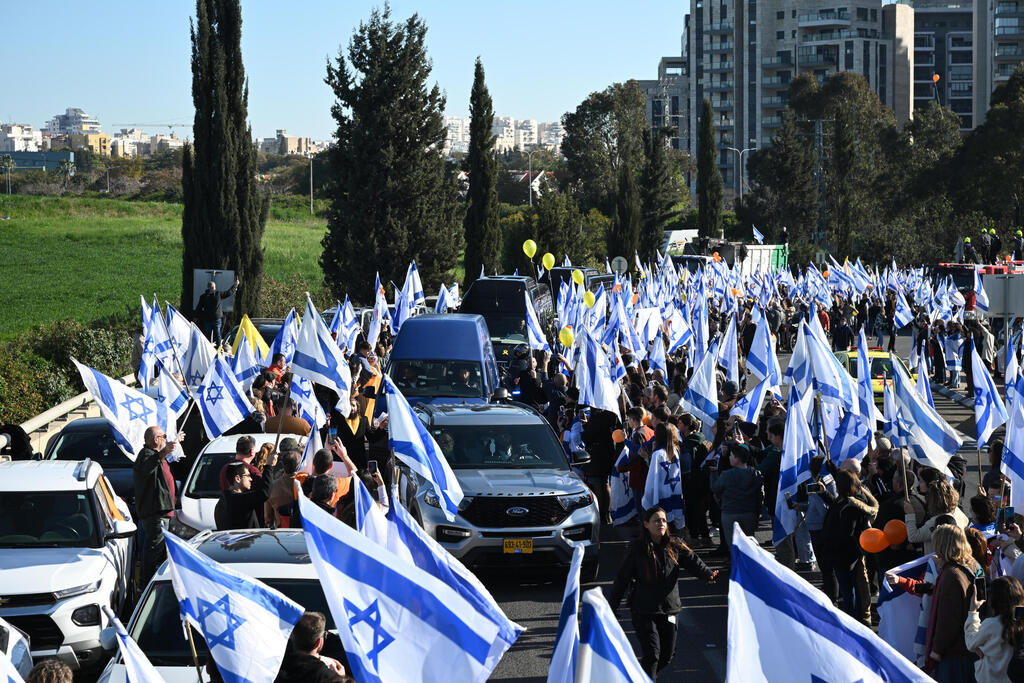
(483, 237)
(224, 215)
(659, 194)
(709, 178)
(624, 239)
(391, 198)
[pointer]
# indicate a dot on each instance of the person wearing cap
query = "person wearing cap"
(727, 395)
(970, 255)
(1018, 246)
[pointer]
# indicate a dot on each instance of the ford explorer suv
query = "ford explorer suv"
(65, 550)
(523, 504)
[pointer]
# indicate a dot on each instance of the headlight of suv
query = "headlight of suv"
(77, 590)
(575, 501)
(179, 528)
(430, 498)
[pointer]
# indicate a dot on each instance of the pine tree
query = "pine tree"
(625, 237)
(392, 199)
(659, 194)
(709, 178)
(483, 237)
(224, 215)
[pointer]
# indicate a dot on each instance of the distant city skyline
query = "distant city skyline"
(128, 63)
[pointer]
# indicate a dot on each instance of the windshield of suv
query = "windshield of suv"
(500, 446)
(158, 630)
(506, 329)
(204, 482)
(48, 519)
(880, 366)
(97, 446)
(457, 378)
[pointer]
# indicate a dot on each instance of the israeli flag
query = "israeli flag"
(680, 333)
(148, 360)
(748, 408)
(414, 286)
(198, 358)
(656, 357)
(318, 358)
(538, 342)
(904, 315)
(1012, 373)
(245, 367)
(900, 611)
(567, 638)
(762, 361)
(605, 655)
(931, 439)
(924, 387)
(851, 440)
(221, 400)
(773, 613)
(1012, 464)
(442, 304)
(757, 235)
(370, 519)
(246, 624)
(350, 329)
(623, 507)
(284, 342)
(593, 378)
(980, 295)
(397, 621)
(170, 393)
(379, 317)
(701, 395)
(179, 329)
(413, 445)
(138, 668)
(310, 409)
(989, 411)
(663, 487)
(798, 447)
(128, 411)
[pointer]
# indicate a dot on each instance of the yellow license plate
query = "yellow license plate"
(518, 545)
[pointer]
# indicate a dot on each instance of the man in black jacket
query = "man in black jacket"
(209, 310)
(239, 505)
(154, 496)
(302, 659)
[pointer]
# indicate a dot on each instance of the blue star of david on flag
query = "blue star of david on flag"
(214, 393)
(371, 617)
(669, 479)
(194, 378)
(130, 404)
(232, 622)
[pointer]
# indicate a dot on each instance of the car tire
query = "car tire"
(588, 572)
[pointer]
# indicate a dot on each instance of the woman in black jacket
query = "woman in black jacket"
(652, 570)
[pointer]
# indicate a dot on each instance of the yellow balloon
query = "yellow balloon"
(577, 276)
(529, 248)
(589, 299)
(548, 260)
(565, 336)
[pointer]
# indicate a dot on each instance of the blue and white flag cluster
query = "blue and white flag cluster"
(221, 400)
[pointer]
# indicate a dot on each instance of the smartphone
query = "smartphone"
(1004, 516)
(813, 487)
(979, 589)
(371, 466)
(332, 432)
(1018, 613)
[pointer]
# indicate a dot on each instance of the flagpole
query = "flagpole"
(821, 421)
(192, 645)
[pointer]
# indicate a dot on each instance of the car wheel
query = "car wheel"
(588, 572)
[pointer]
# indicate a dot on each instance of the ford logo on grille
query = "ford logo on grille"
(517, 511)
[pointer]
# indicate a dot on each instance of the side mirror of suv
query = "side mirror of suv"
(580, 458)
(122, 529)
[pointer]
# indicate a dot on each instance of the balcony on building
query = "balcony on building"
(1009, 54)
(716, 48)
(771, 122)
(958, 42)
(721, 86)
(924, 41)
(819, 59)
(780, 62)
(719, 67)
(1009, 9)
(725, 123)
(1010, 31)
(719, 29)
(825, 18)
(775, 102)
(722, 105)
(1004, 71)
(775, 82)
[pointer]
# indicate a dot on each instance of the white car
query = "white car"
(277, 557)
(15, 647)
(65, 549)
(201, 490)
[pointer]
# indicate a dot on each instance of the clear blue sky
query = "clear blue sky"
(126, 61)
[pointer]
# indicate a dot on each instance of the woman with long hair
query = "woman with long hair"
(941, 500)
(998, 637)
(740, 490)
(651, 570)
(947, 656)
(664, 478)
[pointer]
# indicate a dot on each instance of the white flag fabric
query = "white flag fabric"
(728, 352)
(567, 637)
(245, 366)
(593, 375)
(9, 674)
(623, 506)
(980, 295)
(128, 411)
(748, 408)
(663, 487)
(370, 519)
(179, 329)
(310, 409)
(221, 401)
(783, 629)
(989, 411)
(198, 358)
(138, 668)
(931, 439)
(246, 624)
(170, 393)
(605, 655)
(899, 611)
(538, 342)
(318, 358)
(1012, 464)
(284, 342)
(701, 395)
(313, 444)
(398, 623)
(762, 361)
(798, 447)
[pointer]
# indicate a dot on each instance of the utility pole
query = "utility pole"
(311, 186)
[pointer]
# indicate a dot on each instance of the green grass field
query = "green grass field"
(66, 257)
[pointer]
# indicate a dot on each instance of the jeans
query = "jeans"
(828, 577)
(657, 636)
(212, 327)
(804, 548)
(748, 523)
(154, 552)
(854, 590)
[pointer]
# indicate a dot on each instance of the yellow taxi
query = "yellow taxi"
(881, 367)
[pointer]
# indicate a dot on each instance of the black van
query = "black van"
(500, 300)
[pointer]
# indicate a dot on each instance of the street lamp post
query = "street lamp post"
(739, 169)
(529, 176)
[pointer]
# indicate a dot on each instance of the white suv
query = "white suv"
(65, 550)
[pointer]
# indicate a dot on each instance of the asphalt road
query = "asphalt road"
(701, 644)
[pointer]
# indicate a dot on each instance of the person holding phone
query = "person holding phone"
(155, 496)
(947, 656)
(997, 637)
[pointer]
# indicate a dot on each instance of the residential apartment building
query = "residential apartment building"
(668, 101)
(504, 129)
(96, 142)
(998, 48)
(282, 143)
(526, 134)
(551, 135)
(457, 135)
(129, 142)
(743, 56)
(20, 137)
(73, 121)
(944, 47)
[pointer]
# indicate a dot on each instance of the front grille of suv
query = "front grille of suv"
(491, 512)
(44, 633)
(27, 600)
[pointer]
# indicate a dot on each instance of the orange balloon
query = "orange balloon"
(895, 531)
(873, 540)
(826, 273)
(935, 78)
(618, 436)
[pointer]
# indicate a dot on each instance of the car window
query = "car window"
(97, 446)
(881, 366)
(500, 446)
(506, 329)
(48, 519)
(157, 627)
(457, 378)
(204, 482)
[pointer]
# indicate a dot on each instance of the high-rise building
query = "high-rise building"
(73, 121)
(998, 48)
(504, 129)
(668, 101)
(20, 137)
(943, 47)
